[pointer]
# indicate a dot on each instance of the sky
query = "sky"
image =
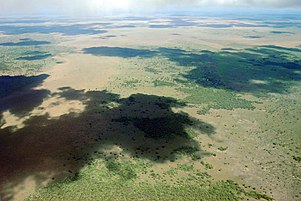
(79, 7)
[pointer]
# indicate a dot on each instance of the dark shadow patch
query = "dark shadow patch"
(282, 48)
(240, 70)
(108, 36)
(22, 21)
(217, 26)
(118, 52)
(161, 26)
(137, 18)
(228, 49)
(143, 126)
(34, 52)
(72, 94)
(281, 32)
(173, 23)
(17, 94)
(253, 37)
(25, 43)
(284, 24)
(35, 57)
(167, 51)
(11, 84)
(25, 39)
(76, 29)
(256, 70)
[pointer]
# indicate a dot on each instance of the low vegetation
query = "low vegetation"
(117, 182)
(210, 98)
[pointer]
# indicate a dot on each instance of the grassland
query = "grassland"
(185, 115)
(120, 181)
(30, 56)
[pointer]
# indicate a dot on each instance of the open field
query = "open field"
(163, 108)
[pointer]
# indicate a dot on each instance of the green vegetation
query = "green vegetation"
(118, 52)
(258, 196)
(192, 132)
(206, 165)
(297, 158)
(163, 83)
(256, 70)
(125, 170)
(222, 148)
(210, 98)
(3, 67)
(185, 167)
(102, 183)
(122, 144)
(131, 83)
(29, 57)
(192, 152)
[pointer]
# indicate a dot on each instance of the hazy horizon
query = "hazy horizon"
(128, 7)
(150, 100)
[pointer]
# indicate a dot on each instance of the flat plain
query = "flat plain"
(160, 108)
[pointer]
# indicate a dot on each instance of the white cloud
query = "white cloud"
(94, 6)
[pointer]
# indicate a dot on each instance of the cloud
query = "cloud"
(222, 3)
(94, 6)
